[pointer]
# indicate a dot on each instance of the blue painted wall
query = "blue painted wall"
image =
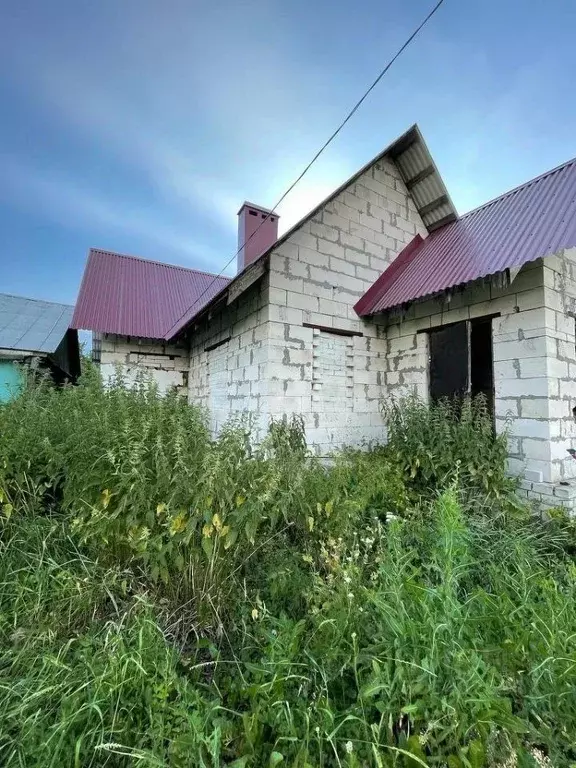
(10, 380)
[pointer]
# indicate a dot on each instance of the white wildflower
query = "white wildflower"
(349, 747)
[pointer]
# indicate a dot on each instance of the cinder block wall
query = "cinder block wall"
(336, 382)
(560, 332)
(534, 357)
(228, 357)
(166, 364)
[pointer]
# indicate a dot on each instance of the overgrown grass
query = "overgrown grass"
(171, 600)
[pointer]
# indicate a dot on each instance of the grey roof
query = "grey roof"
(31, 325)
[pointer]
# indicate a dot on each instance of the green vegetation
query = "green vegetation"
(171, 600)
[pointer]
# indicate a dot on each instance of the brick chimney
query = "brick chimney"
(251, 218)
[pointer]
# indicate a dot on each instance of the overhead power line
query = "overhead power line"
(326, 144)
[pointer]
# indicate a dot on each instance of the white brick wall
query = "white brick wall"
(275, 365)
(316, 277)
(229, 355)
(167, 365)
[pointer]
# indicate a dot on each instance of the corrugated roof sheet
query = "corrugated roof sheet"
(534, 220)
(30, 325)
(130, 296)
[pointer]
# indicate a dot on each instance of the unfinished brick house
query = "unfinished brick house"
(381, 289)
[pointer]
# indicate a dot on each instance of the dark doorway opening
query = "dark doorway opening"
(461, 360)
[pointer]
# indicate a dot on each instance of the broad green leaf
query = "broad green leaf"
(207, 546)
(415, 748)
(476, 754)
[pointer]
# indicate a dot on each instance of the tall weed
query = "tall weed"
(432, 440)
(173, 600)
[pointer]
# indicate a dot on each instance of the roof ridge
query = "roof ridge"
(159, 263)
(39, 301)
(518, 188)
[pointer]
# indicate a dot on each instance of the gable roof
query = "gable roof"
(420, 174)
(31, 325)
(131, 296)
(534, 220)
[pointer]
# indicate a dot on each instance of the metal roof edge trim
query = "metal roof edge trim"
(449, 288)
(75, 320)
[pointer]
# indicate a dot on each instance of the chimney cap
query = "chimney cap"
(258, 208)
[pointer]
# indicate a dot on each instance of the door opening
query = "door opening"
(461, 360)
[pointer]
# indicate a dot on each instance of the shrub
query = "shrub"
(431, 441)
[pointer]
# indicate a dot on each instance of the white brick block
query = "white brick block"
(369, 275)
(297, 388)
(323, 231)
(355, 201)
(303, 301)
(277, 296)
(530, 428)
(330, 248)
(534, 408)
(286, 282)
(312, 257)
(285, 315)
(342, 266)
(302, 238)
(511, 350)
(522, 387)
(336, 221)
(536, 449)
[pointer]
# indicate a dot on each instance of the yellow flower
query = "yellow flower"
(160, 508)
(307, 558)
(207, 531)
(240, 500)
(217, 522)
(255, 613)
(178, 523)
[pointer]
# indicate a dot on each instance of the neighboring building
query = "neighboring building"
(36, 334)
(381, 289)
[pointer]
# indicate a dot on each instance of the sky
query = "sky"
(140, 126)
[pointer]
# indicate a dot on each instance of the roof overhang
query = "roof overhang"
(422, 179)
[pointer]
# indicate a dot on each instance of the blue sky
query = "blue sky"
(140, 126)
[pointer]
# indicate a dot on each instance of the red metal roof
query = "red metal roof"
(136, 297)
(532, 221)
